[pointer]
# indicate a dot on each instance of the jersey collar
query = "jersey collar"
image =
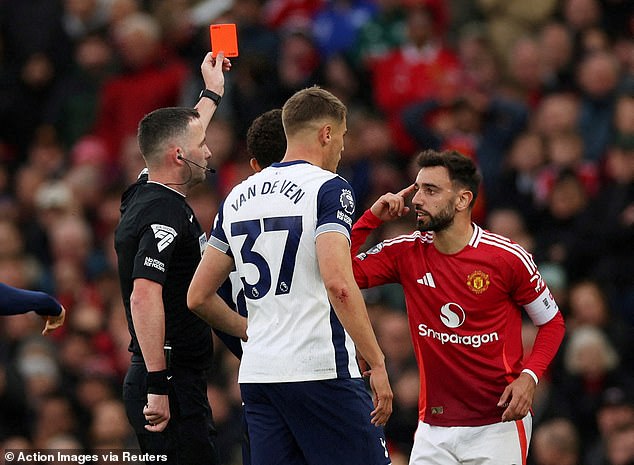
(167, 187)
(289, 163)
(476, 236)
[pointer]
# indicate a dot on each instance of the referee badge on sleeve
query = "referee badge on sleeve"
(164, 234)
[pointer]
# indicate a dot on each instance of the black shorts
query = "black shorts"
(190, 434)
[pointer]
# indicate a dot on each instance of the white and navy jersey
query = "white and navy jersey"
(269, 224)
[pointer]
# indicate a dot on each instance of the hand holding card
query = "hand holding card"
(224, 38)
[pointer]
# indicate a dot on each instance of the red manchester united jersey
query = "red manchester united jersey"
(465, 317)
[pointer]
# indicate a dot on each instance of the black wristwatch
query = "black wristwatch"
(211, 95)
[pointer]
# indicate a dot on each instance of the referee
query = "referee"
(159, 243)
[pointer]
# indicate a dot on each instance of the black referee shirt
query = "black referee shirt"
(159, 238)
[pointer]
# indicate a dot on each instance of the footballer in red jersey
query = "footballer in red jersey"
(465, 290)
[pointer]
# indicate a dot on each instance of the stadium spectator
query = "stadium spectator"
(421, 68)
(518, 177)
(381, 34)
(565, 154)
(556, 442)
(150, 73)
(590, 367)
(337, 23)
(599, 79)
(616, 411)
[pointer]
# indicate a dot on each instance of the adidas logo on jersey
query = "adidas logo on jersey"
(164, 234)
(427, 280)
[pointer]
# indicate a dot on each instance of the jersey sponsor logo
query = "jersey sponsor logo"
(473, 340)
(164, 234)
(478, 281)
(452, 315)
(347, 201)
(427, 280)
(154, 263)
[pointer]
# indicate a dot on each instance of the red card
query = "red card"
(224, 38)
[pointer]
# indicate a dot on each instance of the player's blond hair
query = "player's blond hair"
(308, 106)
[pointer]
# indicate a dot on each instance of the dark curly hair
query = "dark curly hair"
(266, 141)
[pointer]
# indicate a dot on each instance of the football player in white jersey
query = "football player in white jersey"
(287, 231)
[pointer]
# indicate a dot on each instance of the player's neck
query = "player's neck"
(455, 238)
(308, 156)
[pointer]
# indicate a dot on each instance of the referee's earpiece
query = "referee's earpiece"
(180, 156)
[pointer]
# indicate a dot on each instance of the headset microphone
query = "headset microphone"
(181, 157)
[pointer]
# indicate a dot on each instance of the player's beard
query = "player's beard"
(438, 222)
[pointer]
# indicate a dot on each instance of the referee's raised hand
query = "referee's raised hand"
(213, 70)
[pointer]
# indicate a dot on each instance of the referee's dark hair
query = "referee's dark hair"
(266, 141)
(462, 170)
(161, 126)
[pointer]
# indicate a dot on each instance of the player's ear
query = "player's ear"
(255, 166)
(464, 200)
(324, 134)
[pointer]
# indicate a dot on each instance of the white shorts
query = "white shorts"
(504, 443)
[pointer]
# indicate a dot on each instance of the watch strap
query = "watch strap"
(210, 94)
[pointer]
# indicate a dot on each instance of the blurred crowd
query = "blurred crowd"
(540, 93)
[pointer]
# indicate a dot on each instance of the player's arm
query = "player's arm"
(212, 71)
(333, 255)
(148, 318)
(225, 292)
(202, 299)
(520, 393)
(546, 345)
(545, 314)
(388, 207)
(14, 301)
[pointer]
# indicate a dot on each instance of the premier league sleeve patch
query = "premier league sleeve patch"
(347, 201)
(335, 207)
